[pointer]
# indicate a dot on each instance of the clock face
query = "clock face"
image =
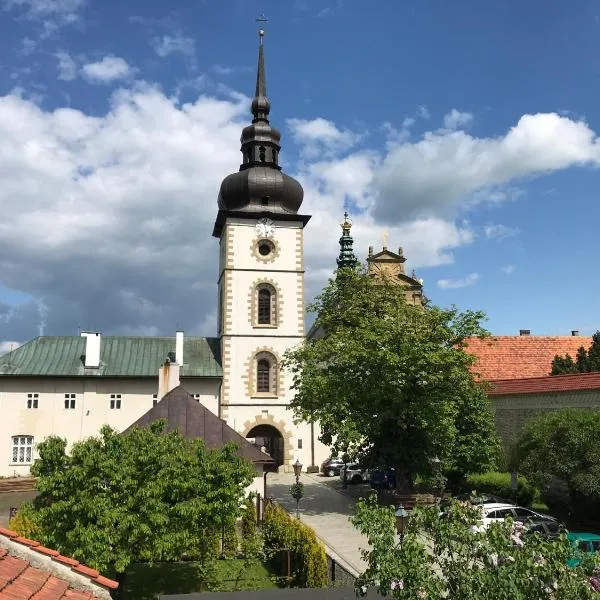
(265, 228)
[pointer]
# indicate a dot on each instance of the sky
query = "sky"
(464, 131)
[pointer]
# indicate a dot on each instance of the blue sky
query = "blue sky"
(466, 130)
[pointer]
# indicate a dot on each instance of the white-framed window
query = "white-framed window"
(22, 449)
(70, 401)
(32, 400)
(115, 401)
(154, 399)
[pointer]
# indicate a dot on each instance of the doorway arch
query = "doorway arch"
(271, 439)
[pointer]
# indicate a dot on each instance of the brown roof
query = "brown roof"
(517, 357)
(194, 421)
(548, 384)
(30, 570)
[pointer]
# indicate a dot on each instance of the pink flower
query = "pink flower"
(517, 539)
(397, 584)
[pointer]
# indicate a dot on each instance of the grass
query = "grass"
(146, 582)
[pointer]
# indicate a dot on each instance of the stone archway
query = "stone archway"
(271, 439)
(277, 440)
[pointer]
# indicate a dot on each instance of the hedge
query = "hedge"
(499, 484)
(309, 562)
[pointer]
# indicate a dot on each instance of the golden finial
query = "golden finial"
(346, 224)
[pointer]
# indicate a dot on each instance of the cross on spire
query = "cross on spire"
(261, 20)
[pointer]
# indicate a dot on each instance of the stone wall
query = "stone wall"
(512, 412)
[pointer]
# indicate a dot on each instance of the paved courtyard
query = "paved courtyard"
(326, 510)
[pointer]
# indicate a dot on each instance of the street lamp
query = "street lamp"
(297, 469)
(402, 518)
(436, 464)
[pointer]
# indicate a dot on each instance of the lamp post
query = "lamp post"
(402, 518)
(438, 478)
(297, 489)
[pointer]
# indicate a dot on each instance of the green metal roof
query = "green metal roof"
(119, 357)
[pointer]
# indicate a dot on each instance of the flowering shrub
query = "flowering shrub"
(450, 557)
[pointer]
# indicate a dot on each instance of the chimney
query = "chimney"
(370, 250)
(524, 331)
(179, 348)
(574, 332)
(168, 378)
(92, 349)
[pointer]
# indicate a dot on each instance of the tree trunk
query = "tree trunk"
(404, 481)
(119, 593)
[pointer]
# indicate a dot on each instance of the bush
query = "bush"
(24, 522)
(230, 544)
(309, 563)
(499, 484)
(251, 539)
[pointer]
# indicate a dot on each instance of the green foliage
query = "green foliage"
(24, 522)
(559, 453)
(499, 484)
(297, 490)
(450, 557)
(231, 541)
(586, 361)
(390, 383)
(309, 562)
(252, 543)
(141, 497)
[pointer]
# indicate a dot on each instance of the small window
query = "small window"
(70, 401)
(264, 200)
(115, 401)
(263, 375)
(249, 154)
(275, 156)
(196, 397)
(154, 399)
(22, 449)
(299, 444)
(262, 153)
(264, 306)
(32, 400)
(265, 247)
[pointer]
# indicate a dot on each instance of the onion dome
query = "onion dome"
(260, 186)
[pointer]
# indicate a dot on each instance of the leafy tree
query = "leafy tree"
(390, 383)
(586, 361)
(451, 557)
(560, 451)
(140, 497)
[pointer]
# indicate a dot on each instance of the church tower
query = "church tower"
(261, 290)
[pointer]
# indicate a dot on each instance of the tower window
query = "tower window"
(262, 153)
(275, 156)
(115, 401)
(264, 201)
(265, 247)
(263, 375)
(32, 400)
(264, 306)
(70, 401)
(249, 154)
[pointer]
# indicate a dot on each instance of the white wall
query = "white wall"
(92, 408)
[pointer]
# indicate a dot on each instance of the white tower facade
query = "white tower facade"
(261, 306)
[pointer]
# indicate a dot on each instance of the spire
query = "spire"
(260, 104)
(346, 257)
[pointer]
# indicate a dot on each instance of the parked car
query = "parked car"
(481, 499)
(354, 473)
(583, 543)
(383, 479)
(495, 512)
(547, 528)
(331, 466)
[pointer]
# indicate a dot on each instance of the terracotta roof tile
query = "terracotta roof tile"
(518, 357)
(19, 580)
(545, 385)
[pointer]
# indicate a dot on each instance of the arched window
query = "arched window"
(263, 375)
(266, 305)
(249, 154)
(262, 153)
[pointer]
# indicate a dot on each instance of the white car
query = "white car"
(494, 512)
(355, 473)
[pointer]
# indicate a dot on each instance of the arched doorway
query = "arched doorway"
(272, 440)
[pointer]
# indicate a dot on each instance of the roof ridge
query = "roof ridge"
(92, 575)
(548, 377)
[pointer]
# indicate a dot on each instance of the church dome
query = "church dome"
(260, 185)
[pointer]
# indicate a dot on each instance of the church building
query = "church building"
(71, 386)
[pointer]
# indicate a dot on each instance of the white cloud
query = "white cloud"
(67, 68)
(508, 269)
(443, 171)
(452, 284)
(168, 44)
(27, 46)
(456, 119)
(500, 232)
(51, 14)
(320, 135)
(109, 69)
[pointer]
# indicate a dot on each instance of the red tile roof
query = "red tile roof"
(548, 384)
(516, 357)
(29, 570)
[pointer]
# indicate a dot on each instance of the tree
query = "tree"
(451, 557)
(559, 452)
(390, 383)
(586, 361)
(140, 497)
